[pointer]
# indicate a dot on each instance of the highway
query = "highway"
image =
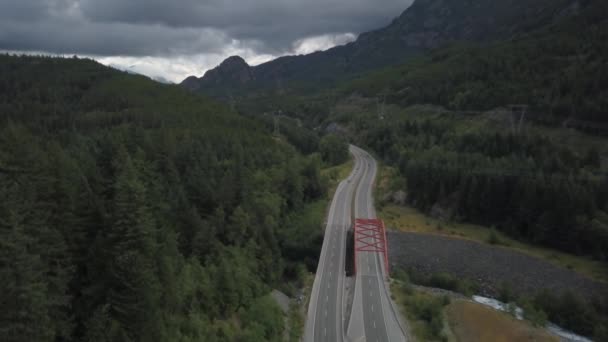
(372, 317)
(325, 318)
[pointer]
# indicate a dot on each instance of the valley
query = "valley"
(365, 192)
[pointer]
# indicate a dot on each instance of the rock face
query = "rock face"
(232, 70)
(425, 25)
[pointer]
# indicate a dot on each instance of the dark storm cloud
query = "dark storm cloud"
(75, 37)
(181, 27)
(274, 22)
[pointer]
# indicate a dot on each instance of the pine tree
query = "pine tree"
(23, 287)
(134, 290)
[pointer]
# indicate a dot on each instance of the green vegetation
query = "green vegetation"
(534, 315)
(567, 310)
(558, 70)
(134, 211)
(466, 321)
(493, 237)
(263, 321)
(423, 310)
(571, 311)
(528, 185)
(296, 323)
(302, 238)
(444, 281)
(334, 149)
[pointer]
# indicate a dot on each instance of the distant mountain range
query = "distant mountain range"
(425, 25)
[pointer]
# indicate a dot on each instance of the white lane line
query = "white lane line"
(326, 298)
(372, 307)
(325, 312)
(374, 324)
(325, 331)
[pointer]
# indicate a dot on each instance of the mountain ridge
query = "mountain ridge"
(425, 25)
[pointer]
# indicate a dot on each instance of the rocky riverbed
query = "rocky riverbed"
(488, 266)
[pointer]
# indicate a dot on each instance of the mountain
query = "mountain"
(425, 25)
(233, 72)
(560, 71)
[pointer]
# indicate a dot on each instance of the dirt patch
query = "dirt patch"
(488, 266)
(473, 322)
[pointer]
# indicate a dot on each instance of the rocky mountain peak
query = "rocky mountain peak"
(234, 61)
(233, 70)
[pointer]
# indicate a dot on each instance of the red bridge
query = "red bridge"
(370, 236)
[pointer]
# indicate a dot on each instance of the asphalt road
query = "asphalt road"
(325, 318)
(372, 299)
(373, 317)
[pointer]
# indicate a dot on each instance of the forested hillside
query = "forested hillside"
(559, 71)
(542, 186)
(530, 184)
(133, 211)
(494, 167)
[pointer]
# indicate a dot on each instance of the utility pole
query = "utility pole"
(381, 106)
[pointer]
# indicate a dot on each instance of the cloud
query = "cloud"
(170, 37)
(177, 68)
(71, 33)
(274, 22)
(321, 43)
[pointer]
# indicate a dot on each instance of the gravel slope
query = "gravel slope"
(489, 266)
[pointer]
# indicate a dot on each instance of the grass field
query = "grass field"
(472, 322)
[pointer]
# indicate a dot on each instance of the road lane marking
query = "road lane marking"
(374, 324)
(372, 307)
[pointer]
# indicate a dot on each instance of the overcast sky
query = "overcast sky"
(177, 38)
